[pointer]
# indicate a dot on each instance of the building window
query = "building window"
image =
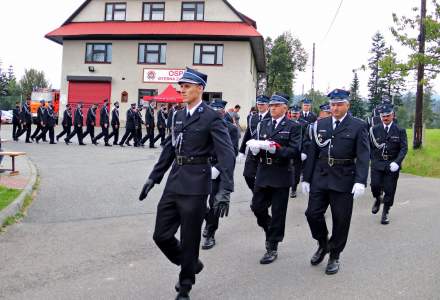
(99, 53)
(147, 92)
(193, 11)
(208, 97)
(208, 54)
(115, 11)
(154, 11)
(152, 54)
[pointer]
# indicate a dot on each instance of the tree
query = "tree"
(393, 74)
(32, 79)
(356, 103)
(376, 85)
(285, 57)
(262, 78)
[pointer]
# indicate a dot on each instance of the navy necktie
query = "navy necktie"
(274, 124)
(337, 123)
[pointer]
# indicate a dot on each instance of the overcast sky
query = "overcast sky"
(346, 47)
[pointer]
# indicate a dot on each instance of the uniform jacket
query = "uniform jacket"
(149, 117)
(199, 136)
(311, 117)
(79, 118)
(233, 134)
(16, 116)
(251, 164)
(131, 119)
(274, 170)
(67, 118)
(40, 114)
(396, 146)
(49, 117)
(115, 117)
(139, 120)
(170, 117)
(91, 117)
(161, 119)
(26, 116)
(348, 141)
(104, 117)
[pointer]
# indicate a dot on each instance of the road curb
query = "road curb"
(15, 206)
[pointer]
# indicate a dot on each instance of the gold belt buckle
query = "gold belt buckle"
(269, 161)
(179, 160)
(331, 161)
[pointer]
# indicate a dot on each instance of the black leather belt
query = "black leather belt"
(273, 161)
(338, 161)
(192, 160)
(386, 157)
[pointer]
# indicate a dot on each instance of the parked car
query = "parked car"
(6, 116)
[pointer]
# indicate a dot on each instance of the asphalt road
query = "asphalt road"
(87, 236)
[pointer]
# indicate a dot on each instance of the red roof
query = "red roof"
(221, 29)
(169, 95)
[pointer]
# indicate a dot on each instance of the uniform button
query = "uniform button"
(331, 146)
(333, 136)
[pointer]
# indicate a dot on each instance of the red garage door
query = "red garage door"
(88, 93)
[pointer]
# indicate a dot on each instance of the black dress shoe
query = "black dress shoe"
(122, 145)
(208, 243)
(107, 145)
(205, 233)
(332, 266)
(82, 144)
(199, 268)
(58, 138)
(376, 206)
(319, 255)
(28, 142)
(153, 147)
(52, 143)
(269, 257)
(128, 144)
(385, 218)
(293, 194)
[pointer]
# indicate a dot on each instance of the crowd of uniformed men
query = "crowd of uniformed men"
(330, 152)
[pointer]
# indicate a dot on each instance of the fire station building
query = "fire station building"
(124, 51)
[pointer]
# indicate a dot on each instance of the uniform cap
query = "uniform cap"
(194, 77)
(339, 95)
(279, 98)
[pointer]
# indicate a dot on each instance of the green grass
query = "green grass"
(426, 161)
(7, 196)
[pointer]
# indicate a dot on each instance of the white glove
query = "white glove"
(305, 187)
(254, 150)
(268, 146)
(241, 158)
(214, 173)
(254, 146)
(358, 190)
(394, 167)
(303, 156)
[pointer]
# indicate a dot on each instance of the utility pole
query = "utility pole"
(313, 73)
(418, 125)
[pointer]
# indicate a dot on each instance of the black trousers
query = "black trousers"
(16, 129)
(250, 181)
(91, 131)
(385, 181)
(341, 205)
(211, 219)
(296, 174)
(160, 136)
(37, 132)
(103, 134)
(115, 134)
(127, 134)
(186, 212)
(78, 131)
(149, 136)
(276, 199)
(25, 129)
(45, 130)
(66, 131)
(137, 136)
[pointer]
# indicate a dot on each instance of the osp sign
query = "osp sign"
(162, 75)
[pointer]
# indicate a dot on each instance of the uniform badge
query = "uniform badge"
(320, 139)
(200, 109)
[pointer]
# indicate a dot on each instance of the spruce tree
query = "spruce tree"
(356, 105)
(376, 84)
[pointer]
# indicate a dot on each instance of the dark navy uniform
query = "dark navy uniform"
(26, 121)
(161, 126)
(189, 183)
(115, 125)
(90, 123)
(78, 128)
(16, 122)
(149, 123)
(310, 117)
(272, 181)
(387, 147)
(337, 159)
(130, 126)
(49, 120)
(104, 122)
(40, 121)
(251, 163)
(212, 220)
(66, 123)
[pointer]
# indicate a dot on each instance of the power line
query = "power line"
(334, 19)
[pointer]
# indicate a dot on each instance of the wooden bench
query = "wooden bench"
(13, 155)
